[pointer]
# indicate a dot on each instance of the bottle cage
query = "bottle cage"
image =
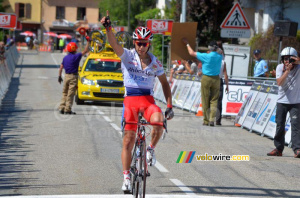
(98, 40)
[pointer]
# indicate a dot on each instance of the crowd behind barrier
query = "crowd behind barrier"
(252, 102)
(7, 68)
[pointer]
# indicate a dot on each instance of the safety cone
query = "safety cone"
(49, 48)
(19, 47)
(237, 125)
(200, 111)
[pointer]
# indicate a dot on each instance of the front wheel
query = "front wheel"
(78, 101)
(143, 173)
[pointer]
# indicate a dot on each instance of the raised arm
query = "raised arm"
(190, 50)
(110, 35)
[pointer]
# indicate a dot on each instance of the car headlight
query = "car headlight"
(86, 81)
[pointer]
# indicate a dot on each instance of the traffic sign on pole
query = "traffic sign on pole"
(8, 20)
(235, 25)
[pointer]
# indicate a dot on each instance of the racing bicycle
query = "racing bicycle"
(139, 167)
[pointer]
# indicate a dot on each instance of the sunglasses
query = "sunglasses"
(142, 44)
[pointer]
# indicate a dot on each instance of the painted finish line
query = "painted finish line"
(112, 196)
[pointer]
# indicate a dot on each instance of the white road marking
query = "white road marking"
(94, 107)
(43, 77)
(160, 167)
(58, 65)
(182, 187)
(115, 126)
(100, 112)
(107, 119)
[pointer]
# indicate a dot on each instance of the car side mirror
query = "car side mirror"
(79, 69)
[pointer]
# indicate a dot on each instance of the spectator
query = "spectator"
(210, 82)
(223, 72)
(61, 44)
(2, 51)
(70, 63)
(27, 40)
(261, 66)
(190, 67)
(288, 80)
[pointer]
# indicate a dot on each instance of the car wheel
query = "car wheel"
(78, 101)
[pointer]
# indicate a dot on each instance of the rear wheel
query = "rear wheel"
(78, 101)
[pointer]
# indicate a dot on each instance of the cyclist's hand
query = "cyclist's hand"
(169, 113)
(106, 21)
(60, 79)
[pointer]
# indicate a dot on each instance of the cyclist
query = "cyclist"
(139, 69)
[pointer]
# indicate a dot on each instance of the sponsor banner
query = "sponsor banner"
(160, 26)
(256, 106)
(233, 101)
(247, 103)
(266, 111)
(8, 21)
(192, 95)
(186, 86)
(288, 129)
(271, 125)
(197, 101)
(177, 92)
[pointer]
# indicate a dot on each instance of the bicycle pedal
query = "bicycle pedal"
(148, 174)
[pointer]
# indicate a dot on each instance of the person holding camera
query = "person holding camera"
(288, 80)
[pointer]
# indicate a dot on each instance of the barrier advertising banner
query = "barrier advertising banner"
(177, 90)
(266, 110)
(192, 95)
(288, 129)
(271, 125)
(256, 106)
(233, 101)
(186, 86)
(247, 103)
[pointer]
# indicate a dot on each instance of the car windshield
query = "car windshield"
(99, 65)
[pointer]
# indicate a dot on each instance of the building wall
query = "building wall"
(35, 9)
(49, 11)
(268, 11)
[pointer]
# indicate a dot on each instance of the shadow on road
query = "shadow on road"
(241, 191)
(38, 66)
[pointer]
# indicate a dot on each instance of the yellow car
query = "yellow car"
(100, 79)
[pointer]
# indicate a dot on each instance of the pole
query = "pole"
(128, 22)
(183, 11)
(162, 46)
(279, 50)
(231, 70)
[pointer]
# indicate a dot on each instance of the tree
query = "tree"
(119, 10)
(209, 14)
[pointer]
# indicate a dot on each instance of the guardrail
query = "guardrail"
(252, 102)
(7, 68)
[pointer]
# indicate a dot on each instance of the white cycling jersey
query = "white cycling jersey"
(133, 74)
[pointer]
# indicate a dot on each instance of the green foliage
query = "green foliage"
(3, 8)
(149, 14)
(209, 14)
(170, 12)
(118, 10)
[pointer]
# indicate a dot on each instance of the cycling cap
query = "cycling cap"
(289, 51)
(72, 47)
(142, 33)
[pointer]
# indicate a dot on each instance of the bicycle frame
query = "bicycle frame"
(139, 166)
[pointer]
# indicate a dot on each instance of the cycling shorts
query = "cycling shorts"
(132, 105)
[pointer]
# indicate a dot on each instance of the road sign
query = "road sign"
(160, 26)
(8, 21)
(237, 59)
(235, 25)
